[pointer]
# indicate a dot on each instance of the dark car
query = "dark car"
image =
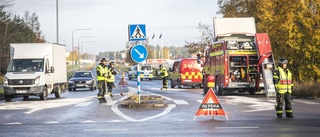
(82, 79)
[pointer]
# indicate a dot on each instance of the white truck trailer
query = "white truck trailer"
(36, 69)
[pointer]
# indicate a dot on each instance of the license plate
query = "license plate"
(21, 91)
(80, 85)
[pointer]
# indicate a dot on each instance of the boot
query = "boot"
(289, 115)
(279, 115)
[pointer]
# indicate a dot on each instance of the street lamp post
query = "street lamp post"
(79, 44)
(72, 44)
(82, 46)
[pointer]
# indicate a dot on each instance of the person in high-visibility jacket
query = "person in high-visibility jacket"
(111, 77)
(282, 79)
(102, 74)
(164, 75)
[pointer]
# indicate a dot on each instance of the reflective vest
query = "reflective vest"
(163, 72)
(285, 81)
(102, 71)
(111, 76)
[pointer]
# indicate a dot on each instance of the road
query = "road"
(78, 113)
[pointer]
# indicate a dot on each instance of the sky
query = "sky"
(108, 20)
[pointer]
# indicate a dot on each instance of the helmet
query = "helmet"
(111, 63)
(103, 60)
(160, 66)
(282, 61)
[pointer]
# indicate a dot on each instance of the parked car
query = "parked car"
(82, 79)
(146, 72)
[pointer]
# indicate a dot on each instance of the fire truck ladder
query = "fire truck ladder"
(267, 65)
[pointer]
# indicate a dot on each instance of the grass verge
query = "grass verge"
(307, 89)
(1, 93)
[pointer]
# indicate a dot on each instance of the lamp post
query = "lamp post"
(82, 46)
(72, 44)
(79, 44)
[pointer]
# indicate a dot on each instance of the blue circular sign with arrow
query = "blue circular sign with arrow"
(138, 53)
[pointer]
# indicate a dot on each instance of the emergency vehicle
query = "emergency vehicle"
(240, 59)
(146, 72)
(186, 72)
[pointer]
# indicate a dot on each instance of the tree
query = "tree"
(293, 28)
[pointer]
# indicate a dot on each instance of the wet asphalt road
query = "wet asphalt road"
(78, 113)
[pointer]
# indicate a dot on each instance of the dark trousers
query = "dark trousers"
(110, 86)
(287, 100)
(102, 88)
(165, 82)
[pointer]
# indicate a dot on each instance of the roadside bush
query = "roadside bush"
(307, 89)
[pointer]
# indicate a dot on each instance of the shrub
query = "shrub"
(307, 89)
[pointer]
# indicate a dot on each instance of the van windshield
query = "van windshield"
(26, 65)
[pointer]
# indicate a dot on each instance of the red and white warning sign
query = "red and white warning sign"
(210, 106)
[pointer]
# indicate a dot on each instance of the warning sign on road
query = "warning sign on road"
(210, 106)
(123, 82)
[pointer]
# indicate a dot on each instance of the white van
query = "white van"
(145, 73)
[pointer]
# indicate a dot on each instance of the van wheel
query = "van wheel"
(25, 97)
(44, 94)
(130, 78)
(8, 98)
(70, 89)
(171, 84)
(58, 93)
(150, 79)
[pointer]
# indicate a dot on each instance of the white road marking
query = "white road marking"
(181, 102)
(116, 121)
(83, 104)
(101, 130)
(88, 121)
(118, 112)
(236, 127)
(52, 122)
(306, 102)
(253, 103)
(13, 123)
(200, 101)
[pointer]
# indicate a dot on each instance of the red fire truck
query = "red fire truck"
(240, 59)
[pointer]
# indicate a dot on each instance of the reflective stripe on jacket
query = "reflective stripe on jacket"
(285, 81)
(163, 72)
(102, 70)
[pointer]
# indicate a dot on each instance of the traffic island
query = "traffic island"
(146, 101)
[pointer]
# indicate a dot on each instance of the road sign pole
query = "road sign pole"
(138, 81)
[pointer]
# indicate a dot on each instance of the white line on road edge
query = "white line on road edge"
(13, 123)
(236, 127)
(115, 109)
(88, 121)
(52, 122)
(83, 104)
(97, 130)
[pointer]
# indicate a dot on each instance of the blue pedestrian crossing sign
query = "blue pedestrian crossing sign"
(138, 53)
(137, 32)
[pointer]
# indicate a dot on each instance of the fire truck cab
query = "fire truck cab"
(186, 72)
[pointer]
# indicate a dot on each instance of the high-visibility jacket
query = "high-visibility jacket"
(101, 71)
(111, 75)
(163, 72)
(284, 84)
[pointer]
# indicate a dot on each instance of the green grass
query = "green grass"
(1, 93)
(122, 67)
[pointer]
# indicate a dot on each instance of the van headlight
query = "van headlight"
(37, 80)
(6, 81)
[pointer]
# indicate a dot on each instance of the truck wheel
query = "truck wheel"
(58, 93)
(251, 91)
(25, 97)
(171, 84)
(8, 98)
(44, 94)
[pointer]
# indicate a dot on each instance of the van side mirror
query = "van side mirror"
(51, 69)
